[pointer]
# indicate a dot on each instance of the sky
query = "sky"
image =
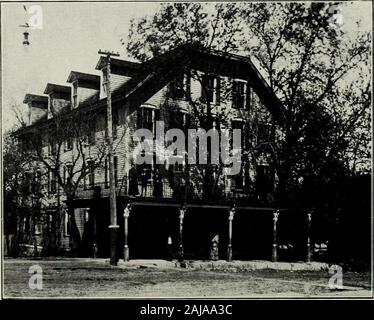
(70, 37)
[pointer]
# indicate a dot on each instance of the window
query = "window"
(68, 144)
(239, 92)
(264, 133)
(145, 118)
(66, 224)
(264, 179)
(91, 132)
(51, 148)
(90, 177)
(176, 120)
(238, 125)
(67, 172)
(211, 89)
(50, 222)
(106, 173)
(180, 88)
(37, 181)
(52, 184)
(75, 94)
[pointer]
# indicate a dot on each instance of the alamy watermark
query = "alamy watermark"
(336, 280)
(36, 280)
(225, 147)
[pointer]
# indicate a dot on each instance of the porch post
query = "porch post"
(229, 248)
(126, 215)
(274, 255)
(94, 245)
(308, 244)
(182, 212)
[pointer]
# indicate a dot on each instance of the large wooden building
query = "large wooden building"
(182, 88)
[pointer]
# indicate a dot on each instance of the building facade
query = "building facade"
(186, 88)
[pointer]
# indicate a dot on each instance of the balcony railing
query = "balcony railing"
(178, 191)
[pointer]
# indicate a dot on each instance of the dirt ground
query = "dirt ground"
(71, 278)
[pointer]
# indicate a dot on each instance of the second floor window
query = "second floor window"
(52, 183)
(145, 118)
(90, 175)
(37, 181)
(211, 89)
(177, 120)
(51, 148)
(91, 132)
(264, 133)
(68, 144)
(180, 88)
(239, 94)
(67, 172)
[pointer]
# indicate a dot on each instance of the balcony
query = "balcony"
(179, 192)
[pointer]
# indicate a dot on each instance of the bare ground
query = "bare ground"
(96, 278)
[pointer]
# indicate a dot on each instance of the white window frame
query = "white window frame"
(244, 93)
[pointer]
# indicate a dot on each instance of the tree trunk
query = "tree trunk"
(74, 237)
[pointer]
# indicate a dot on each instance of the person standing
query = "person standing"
(133, 185)
(157, 184)
(170, 249)
(144, 182)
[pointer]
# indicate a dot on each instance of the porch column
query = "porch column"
(229, 248)
(182, 212)
(308, 244)
(274, 254)
(126, 215)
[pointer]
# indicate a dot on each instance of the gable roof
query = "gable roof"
(157, 72)
(76, 75)
(151, 76)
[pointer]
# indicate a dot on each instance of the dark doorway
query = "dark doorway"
(149, 229)
(201, 225)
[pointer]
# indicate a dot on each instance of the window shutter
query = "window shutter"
(218, 90)
(248, 97)
(204, 83)
(139, 118)
(157, 115)
(188, 87)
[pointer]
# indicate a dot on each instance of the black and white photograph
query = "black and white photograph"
(186, 150)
